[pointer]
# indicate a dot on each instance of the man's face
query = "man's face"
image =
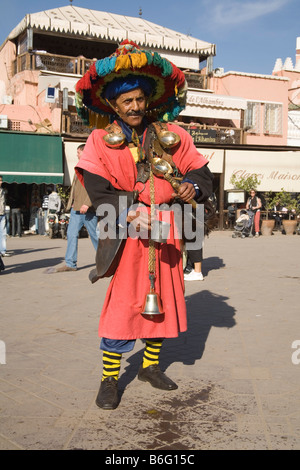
(79, 152)
(1, 182)
(131, 107)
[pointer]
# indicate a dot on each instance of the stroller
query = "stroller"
(244, 224)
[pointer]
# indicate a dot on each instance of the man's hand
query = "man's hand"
(186, 192)
(83, 209)
(139, 220)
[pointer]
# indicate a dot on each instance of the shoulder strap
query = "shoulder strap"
(113, 128)
(160, 126)
(155, 146)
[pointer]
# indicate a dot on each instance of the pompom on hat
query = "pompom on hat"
(126, 69)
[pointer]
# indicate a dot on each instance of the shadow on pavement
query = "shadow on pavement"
(204, 311)
(52, 269)
(211, 263)
(28, 250)
(31, 265)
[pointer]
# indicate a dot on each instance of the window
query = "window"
(22, 45)
(252, 121)
(273, 119)
(14, 125)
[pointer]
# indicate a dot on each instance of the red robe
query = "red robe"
(121, 313)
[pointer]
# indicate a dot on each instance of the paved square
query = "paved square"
(238, 385)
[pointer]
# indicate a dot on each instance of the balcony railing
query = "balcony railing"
(71, 124)
(39, 60)
(201, 134)
(52, 62)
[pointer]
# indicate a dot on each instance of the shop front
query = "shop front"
(276, 170)
(215, 159)
(30, 164)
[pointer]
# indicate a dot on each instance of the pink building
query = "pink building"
(266, 115)
(22, 101)
(271, 122)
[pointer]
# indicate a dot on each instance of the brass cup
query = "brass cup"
(168, 139)
(114, 139)
(161, 167)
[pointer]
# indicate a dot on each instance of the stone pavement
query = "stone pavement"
(237, 366)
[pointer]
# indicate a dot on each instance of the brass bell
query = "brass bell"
(152, 305)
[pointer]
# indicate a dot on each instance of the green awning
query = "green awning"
(31, 158)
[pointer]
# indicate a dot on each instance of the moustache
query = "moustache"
(135, 113)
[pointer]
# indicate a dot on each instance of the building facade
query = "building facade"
(240, 122)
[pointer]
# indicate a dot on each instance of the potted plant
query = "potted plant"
(267, 225)
(251, 182)
(64, 193)
(285, 199)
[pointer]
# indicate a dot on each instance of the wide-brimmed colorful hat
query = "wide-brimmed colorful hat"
(166, 83)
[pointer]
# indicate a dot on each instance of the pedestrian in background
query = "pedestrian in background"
(45, 203)
(254, 205)
(193, 269)
(3, 193)
(16, 217)
(54, 202)
(7, 217)
(82, 214)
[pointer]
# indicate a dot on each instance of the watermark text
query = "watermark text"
(2, 352)
(296, 354)
(188, 222)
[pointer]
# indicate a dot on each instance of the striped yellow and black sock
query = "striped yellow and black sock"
(151, 353)
(111, 365)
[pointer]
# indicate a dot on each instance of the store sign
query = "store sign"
(195, 98)
(209, 105)
(274, 170)
(205, 100)
(201, 136)
(235, 197)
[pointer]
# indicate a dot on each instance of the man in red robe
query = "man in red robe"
(106, 168)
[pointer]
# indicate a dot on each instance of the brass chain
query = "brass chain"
(151, 254)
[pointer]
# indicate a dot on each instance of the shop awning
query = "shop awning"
(31, 158)
(275, 170)
(215, 158)
(209, 105)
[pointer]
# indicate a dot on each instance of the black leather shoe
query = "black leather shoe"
(156, 378)
(108, 394)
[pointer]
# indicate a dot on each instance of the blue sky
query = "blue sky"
(249, 34)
